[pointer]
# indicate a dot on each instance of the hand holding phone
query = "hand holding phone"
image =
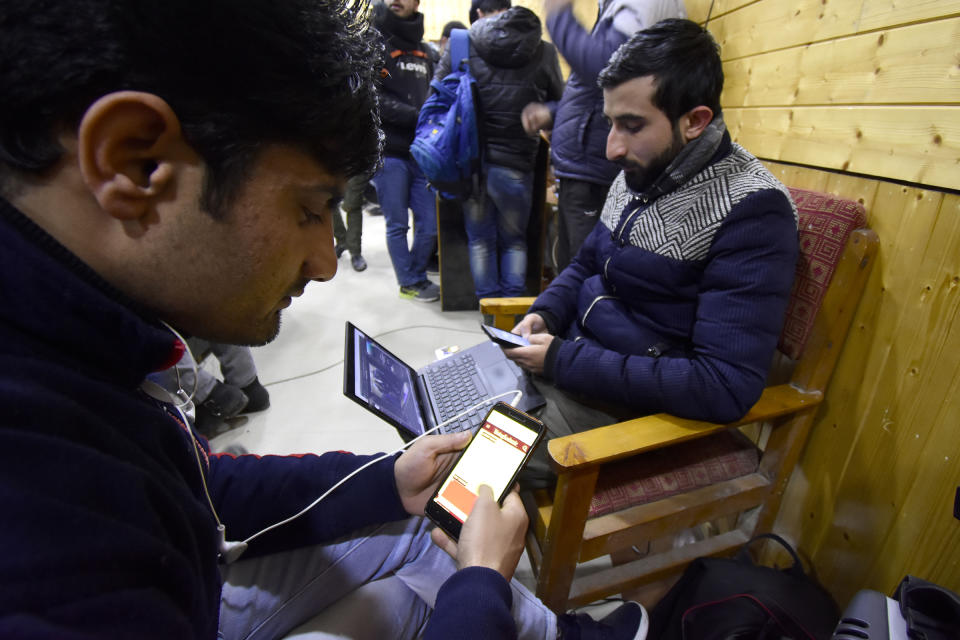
(420, 468)
(503, 338)
(491, 537)
(494, 457)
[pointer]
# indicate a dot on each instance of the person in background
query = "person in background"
(215, 401)
(579, 130)
(401, 185)
(445, 35)
(513, 67)
(123, 158)
(675, 301)
(347, 237)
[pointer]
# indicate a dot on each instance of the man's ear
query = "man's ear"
(693, 122)
(125, 145)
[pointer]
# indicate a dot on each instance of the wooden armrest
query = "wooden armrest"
(503, 310)
(624, 439)
(512, 306)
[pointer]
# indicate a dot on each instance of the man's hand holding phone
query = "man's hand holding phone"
(531, 323)
(491, 537)
(419, 470)
(531, 358)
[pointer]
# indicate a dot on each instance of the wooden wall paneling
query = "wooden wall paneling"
(697, 10)
(862, 458)
(925, 536)
(876, 68)
(798, 176)
(877, 14)
(770, 25)
(910, 143)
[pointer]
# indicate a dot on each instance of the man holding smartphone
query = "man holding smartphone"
(675, 301)
(123, 158)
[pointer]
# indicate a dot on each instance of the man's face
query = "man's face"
(404, 8)
(239, 272)
(642, 140)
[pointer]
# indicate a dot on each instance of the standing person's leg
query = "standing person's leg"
(511, 191)
(480, 223)
(239, 370)
(339, 232)
(267, 597)
(423, 202)
(236, 363)
(393, 188)
(352, 206)
(579, 205)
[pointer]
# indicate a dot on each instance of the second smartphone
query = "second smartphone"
(496, 454)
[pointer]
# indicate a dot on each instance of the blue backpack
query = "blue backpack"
(447, 143)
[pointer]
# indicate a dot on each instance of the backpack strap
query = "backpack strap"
(459, 48)
(744, 554)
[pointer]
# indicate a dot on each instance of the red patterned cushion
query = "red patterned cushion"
(826, 222)
(672, 470)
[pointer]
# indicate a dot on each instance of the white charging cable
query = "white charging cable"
(236, 549)
(181, 392)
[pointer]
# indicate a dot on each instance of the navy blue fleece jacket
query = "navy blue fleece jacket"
(105, 530)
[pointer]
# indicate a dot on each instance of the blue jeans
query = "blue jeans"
(401, 186)
(496, 227)
(378, 583)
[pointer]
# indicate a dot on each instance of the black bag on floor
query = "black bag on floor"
(735, 599)
(931, 612)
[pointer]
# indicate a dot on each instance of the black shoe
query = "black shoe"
(340, 249)
(629, 621)
(359, 264)
(259, 398)
(225, 400)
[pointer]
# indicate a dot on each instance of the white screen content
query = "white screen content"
(491, 459)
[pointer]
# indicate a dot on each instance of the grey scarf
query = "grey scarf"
(691, 159)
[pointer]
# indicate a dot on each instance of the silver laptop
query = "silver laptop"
(415, 401)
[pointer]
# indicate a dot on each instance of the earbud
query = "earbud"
(230, 551)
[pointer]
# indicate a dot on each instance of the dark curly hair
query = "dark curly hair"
(682, 56)
(240, 75)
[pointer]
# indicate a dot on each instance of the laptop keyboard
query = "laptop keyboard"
(455, 386)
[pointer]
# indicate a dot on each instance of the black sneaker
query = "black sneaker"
(359, 264)
(629, 621)
(340, 249)
(424, 291)
(259, 398)
(225, 400)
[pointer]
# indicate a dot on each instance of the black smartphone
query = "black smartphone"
(503, 338)
(494, 457)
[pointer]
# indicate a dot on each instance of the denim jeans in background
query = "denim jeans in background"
(400, 185)
(496, 227)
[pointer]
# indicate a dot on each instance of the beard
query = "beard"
(640, 178)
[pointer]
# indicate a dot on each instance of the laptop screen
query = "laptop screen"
(379, 380)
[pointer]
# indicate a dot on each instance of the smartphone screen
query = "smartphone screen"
(493, 457)
(505, 338)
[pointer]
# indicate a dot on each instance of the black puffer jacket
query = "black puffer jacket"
(513, 68)
(407, 69)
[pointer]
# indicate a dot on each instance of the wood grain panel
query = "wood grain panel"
(770, 25)
(878, 68)
(914, 144)
(875, 481)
